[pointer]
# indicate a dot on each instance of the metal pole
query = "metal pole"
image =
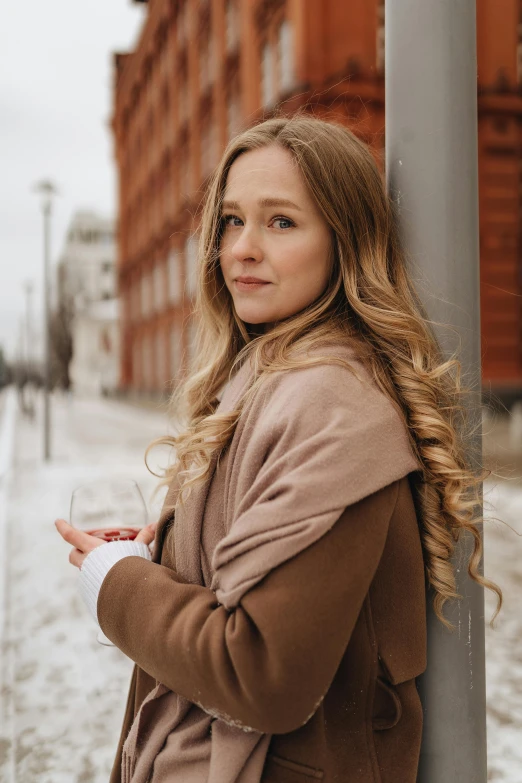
(431, 167)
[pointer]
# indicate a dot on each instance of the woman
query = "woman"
(320, 480)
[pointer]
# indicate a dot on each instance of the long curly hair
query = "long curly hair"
(370, 296)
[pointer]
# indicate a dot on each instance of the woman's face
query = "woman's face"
(273, 231)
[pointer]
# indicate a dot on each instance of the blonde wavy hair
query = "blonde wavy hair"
(369, 295)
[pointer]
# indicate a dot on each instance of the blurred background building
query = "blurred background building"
(204, 69)
(85, 328)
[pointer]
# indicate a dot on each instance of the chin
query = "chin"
(253, 318)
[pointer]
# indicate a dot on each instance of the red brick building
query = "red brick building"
(204, 69)
(499, 39)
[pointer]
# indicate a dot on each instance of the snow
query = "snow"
(503, 556)
(63, 694)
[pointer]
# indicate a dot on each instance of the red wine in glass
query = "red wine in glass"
(110, 509)
(115, 534)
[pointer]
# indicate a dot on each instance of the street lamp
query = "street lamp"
(47, 191)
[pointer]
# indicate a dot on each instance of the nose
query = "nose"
(247, 246)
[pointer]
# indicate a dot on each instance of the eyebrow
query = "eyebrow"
(264, 202)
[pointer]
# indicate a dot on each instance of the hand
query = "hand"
(83, 543)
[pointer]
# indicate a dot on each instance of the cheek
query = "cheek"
(308, 259)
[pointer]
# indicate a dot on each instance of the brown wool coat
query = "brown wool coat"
(321, 647)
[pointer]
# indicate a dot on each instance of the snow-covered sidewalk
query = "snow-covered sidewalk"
(503, 564)
(63, 694)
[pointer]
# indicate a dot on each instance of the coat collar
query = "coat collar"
(189, 518)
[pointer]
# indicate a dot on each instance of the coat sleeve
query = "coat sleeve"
(268, 664)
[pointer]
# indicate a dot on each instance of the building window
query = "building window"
(232, 25)
(191, 259)
(146, 364)
(160, 359)
(174, 276)
(206, 66)
(182, 31)
(184, 172)
(267, 74)
(175, 351)
(135, 302)
(107, 267)
(136, 364)
(204, 142)
(159, 288)
(167, 130)
(145, 295)
(183, 100)
(519, 50)
(192, 334)
(233, 116)
(286, 56)
(380, 37)
(208, 144)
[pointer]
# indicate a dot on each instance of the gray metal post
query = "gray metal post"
(431, 166)
(47, 191)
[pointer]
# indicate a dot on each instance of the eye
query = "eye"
(286, 223)
(228, 220)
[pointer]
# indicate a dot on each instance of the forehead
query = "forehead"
(267, 169)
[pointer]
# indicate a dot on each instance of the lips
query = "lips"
(250, 284)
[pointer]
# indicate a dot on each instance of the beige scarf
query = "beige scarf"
(312, 472)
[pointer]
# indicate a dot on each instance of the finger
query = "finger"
(76, 557)
(147, 533)
(77, 538)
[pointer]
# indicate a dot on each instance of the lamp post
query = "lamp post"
(432, 173)
(47, 191)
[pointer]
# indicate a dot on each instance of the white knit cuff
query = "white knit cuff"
(99, 562)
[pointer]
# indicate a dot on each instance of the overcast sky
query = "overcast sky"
(55, 106)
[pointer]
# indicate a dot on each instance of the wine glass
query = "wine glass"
(110, 509)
